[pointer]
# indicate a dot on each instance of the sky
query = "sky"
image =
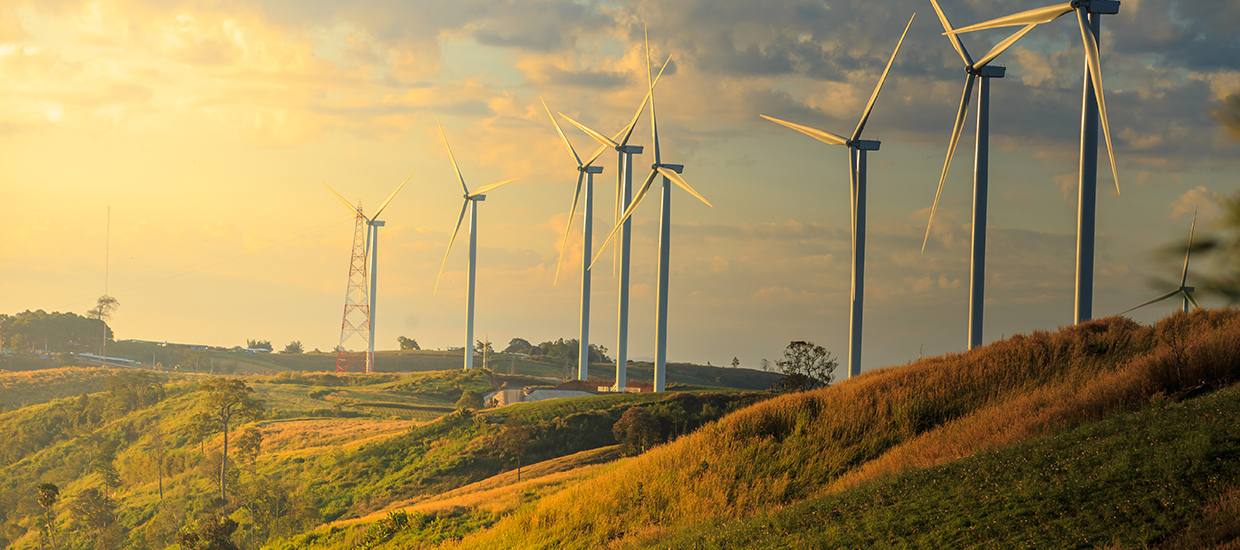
(204, 129)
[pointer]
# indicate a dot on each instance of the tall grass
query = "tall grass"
(938, 409)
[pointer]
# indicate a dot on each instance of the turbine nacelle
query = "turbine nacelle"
(986, 71)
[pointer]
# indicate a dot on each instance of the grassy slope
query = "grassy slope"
(1132, 479)
(803, 446)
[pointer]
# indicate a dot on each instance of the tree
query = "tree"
(766, 365)
(1227, 113)
(214, 533)
(94, 510)
(518, 345)
(259, 344)
(483, 347)
(1223, 246)
(514, 439)
(407, 343)
(637, 430)
(222, 402)
(250, 444)
(805, 366)
(736, 362)
(469, 400)
(49, 493)
(104, 307)
(159, 453)
(294, 347)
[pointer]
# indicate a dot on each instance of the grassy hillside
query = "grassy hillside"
(803, 446)
(1167, 475)
(334, 448)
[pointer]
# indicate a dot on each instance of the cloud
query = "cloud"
(1199, 200)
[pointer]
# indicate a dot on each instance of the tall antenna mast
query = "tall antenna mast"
(356, 321)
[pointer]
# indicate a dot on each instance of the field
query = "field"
(1077, 438)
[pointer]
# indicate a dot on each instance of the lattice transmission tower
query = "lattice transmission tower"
(356, 323)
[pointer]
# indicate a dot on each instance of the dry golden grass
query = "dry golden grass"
(308, 434)
(502, 493)
(40, 386)
(936, 410)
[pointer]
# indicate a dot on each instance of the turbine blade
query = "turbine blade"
(486, 188)
(1003, 46)
(1158, 299)
(874, 96)
(1189, 295)
(1184, 277)
(672, 175)
(568, 227)
(951, 151)
(450, 157)
(627, 213)
(1037, 15)
(460, 219)
(346, 203)
(627, 132)
(561, 132)
(595, 156)
(825, 137)
(654, 117)
(597, 136)
(392, 196)
(1095, 73)
(955, 40)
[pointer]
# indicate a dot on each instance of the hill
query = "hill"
(1074, 438)
(133, 471)
(801, 447)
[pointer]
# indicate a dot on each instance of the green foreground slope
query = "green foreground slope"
(1167, 475)
(798, 448)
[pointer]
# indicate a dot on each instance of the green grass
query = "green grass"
(1134, 479)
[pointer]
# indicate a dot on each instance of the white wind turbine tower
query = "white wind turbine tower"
(671, 174)
(857, 148)
(1093, 109)
(979, 69)
(372, 250)
(1187, 291)
(624, 195)
(471, 203)
(585, 170)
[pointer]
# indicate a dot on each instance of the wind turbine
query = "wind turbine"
(1093, 107)
(372, 250)
(585, 170)
(471, 202)
(979, 69)
(671, 174)
(1184, 289)
(624, 196)
(857, 148)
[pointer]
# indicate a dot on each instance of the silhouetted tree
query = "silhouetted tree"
(514, 439)
(214, 533)
(637, 430)
(805, 366)
(407, 343)
(1227, 113)
(469, 400)
(49, 493)
(518, 345)
(224, 400)
(294, 347)
(736, 362)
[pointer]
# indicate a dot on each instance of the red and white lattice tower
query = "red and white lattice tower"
(356, 324)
